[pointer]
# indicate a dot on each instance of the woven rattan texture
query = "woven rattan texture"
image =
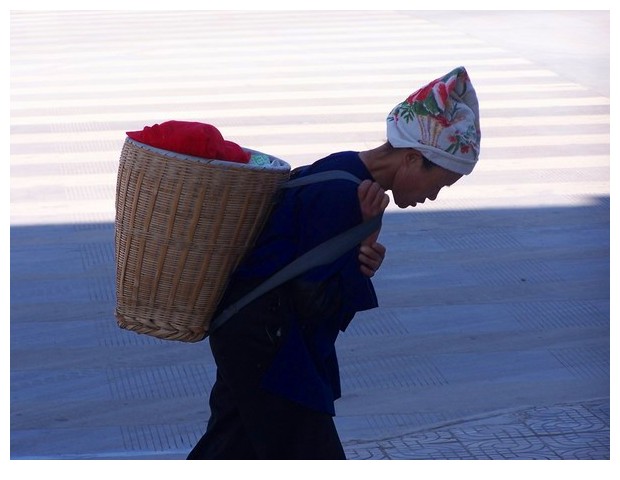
(181, 227)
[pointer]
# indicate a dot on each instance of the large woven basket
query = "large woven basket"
(182, 226)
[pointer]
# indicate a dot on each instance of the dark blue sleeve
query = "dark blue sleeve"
(308, 216)
(325, 210)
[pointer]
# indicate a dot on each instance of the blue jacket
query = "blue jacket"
(326, 298)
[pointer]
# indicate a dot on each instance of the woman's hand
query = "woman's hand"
(373, 201)
(371, 257)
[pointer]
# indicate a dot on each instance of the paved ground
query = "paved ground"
(493, 336)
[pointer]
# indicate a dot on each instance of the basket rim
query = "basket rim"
(276, 164)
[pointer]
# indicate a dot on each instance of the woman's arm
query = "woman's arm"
(373, 201)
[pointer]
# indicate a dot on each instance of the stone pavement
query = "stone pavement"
(493, 336)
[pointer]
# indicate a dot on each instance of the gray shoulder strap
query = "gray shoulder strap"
(322, 254)
(321, 177)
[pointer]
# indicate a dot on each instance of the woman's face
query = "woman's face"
(414, 183)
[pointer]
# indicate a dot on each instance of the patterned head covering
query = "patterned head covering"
(441, 120)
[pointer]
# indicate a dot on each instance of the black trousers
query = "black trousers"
(247, 422)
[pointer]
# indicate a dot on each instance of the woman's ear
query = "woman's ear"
(412, 157)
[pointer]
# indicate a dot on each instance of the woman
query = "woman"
(277, 369)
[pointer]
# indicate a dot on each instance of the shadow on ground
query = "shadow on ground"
(481, 311)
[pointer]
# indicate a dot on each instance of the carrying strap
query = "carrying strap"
(322, 254)
(321, 177)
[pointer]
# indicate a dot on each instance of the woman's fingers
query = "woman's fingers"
(370, 258)
(373, 199)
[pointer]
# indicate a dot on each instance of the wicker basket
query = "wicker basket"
(182, 226)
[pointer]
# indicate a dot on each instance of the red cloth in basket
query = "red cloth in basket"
(191, 138)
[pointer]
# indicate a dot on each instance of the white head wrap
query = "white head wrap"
(441, 120)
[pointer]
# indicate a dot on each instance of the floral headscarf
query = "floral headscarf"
(441, 120)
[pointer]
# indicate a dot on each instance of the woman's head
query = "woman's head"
(417, 179)
(441, 121)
